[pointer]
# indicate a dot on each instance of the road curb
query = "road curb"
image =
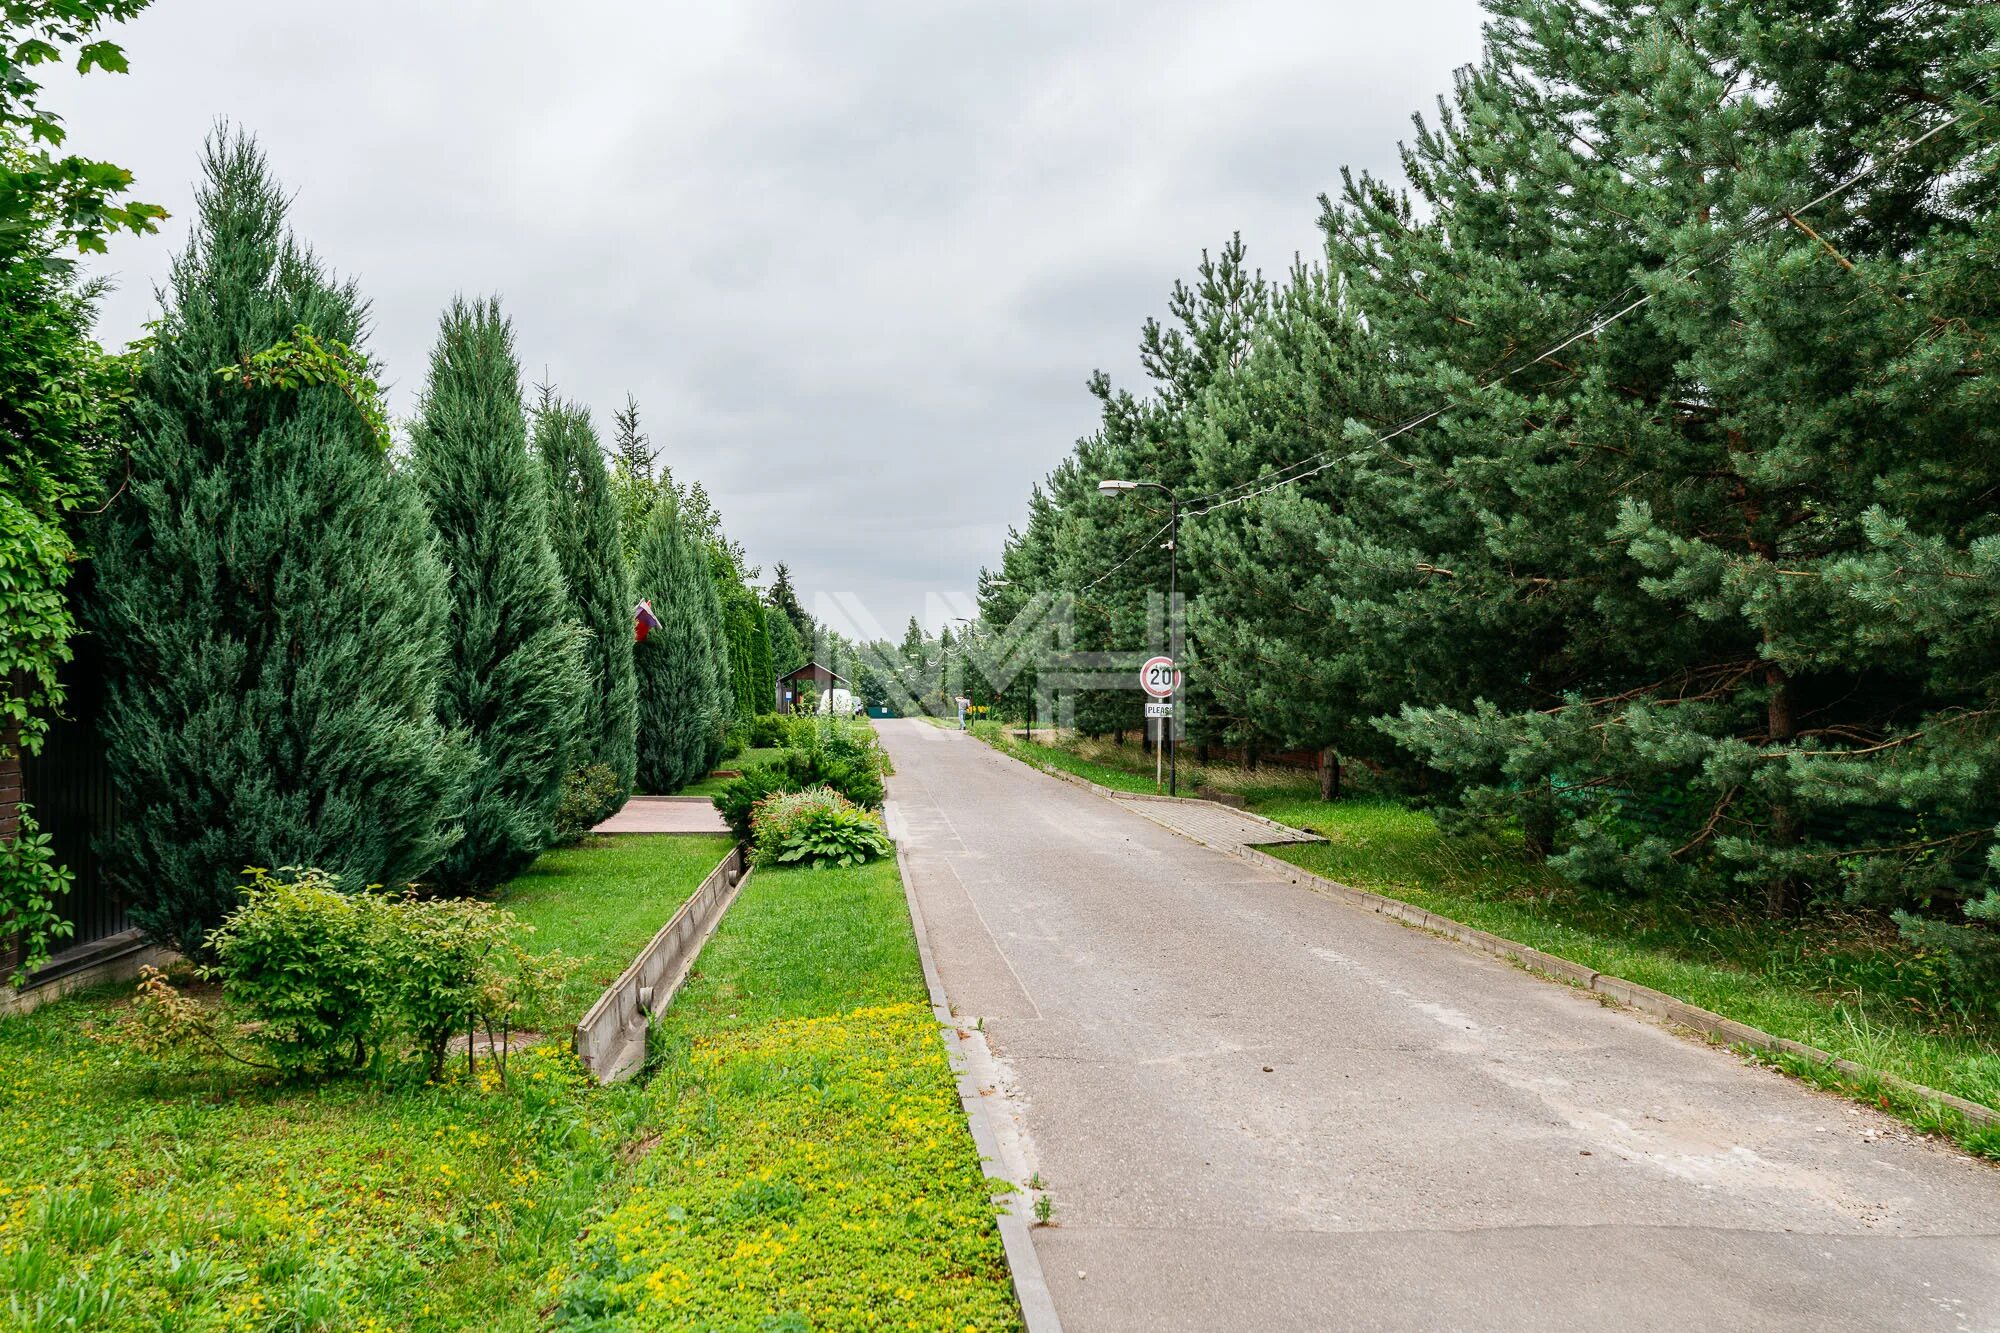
(1031, 1288)
(1629, 994)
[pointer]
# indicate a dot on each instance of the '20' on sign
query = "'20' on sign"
(1159, 677)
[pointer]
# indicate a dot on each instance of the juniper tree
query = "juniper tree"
(681, 713)
(787, 652)
(589, 551)
(515, 683)
(269, 594)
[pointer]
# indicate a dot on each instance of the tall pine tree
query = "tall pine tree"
(269, 595)
(589, 550)
(516, 681)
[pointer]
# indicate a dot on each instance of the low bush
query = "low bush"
(317, 980)
(816, 826)
(590, 796)
(737, 801)
(834, 754)
(767, 731)
(305, 961)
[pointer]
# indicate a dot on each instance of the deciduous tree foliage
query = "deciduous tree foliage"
(589, 551)
(270, 597)
(515, 684)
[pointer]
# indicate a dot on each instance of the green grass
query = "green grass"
(600, 902)
(812, 1166)
(1846, 984)
(188, 1193)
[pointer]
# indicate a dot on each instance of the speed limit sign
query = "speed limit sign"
(1159, 677)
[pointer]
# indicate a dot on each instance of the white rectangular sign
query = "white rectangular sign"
(1159, 709)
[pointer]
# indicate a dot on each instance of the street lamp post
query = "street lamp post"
(1111, 486)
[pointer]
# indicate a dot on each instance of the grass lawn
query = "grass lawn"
(809, 1165)
(1849, 985)
(192, 1194)
(601, 901)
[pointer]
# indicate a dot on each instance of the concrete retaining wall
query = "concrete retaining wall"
(611, 1038)
(113, 958)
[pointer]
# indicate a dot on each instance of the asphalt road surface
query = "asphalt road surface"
(1254, 1107)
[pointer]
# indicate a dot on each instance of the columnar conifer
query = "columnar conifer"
(589, 550)
(268, 594)
(515, 685)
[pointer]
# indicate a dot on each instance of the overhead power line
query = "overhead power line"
(1593, 324)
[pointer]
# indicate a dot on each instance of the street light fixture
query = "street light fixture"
(1114, 486)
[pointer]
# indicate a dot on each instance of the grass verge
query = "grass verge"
(1847, 984)
(809, 1165)
(188, 1194)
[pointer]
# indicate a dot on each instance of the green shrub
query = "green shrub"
(591, 795)
(319, 980)
(814, 827)
(847, 758)
(739, 796)
(305, 962)
(767, 731)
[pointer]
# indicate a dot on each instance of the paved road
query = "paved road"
(1254, 1107)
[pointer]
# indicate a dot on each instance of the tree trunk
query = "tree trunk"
(1250, 758)
(1329, 774)
(1781, 890)
(1538, 822)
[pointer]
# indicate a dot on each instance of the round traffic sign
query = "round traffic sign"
(1159, 677)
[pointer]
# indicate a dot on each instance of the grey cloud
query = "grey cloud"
(855, 260)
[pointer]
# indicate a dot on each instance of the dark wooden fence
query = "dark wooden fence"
(70, 795)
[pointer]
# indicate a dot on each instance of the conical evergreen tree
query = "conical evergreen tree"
(268, 594)
(787, 652)
(721, 680)
(589, 549)
(516, 678)
(680, 721)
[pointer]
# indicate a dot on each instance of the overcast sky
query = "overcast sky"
(855, 260)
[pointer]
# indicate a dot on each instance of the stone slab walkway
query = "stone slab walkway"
(665, 814)
(1215, 825)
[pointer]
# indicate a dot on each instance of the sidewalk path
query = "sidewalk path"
(665, 814)
(1254, 1107)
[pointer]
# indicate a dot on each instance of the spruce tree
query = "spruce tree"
(589, 550)
(516, 681)
(634, 479)
(786, 599)
(269, 594)
(681, 711)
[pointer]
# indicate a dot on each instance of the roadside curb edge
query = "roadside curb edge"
(1031, 1288)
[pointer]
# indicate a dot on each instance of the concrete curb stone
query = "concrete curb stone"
(1031, 1288)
